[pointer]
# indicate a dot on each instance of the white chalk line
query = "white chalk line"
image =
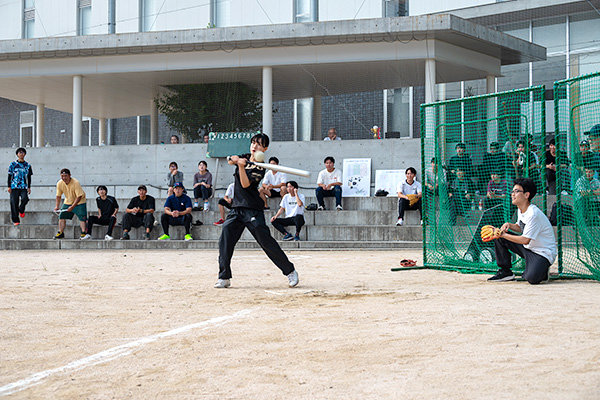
(115, 352)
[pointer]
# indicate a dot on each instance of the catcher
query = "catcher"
(536, 242)
(409, 195)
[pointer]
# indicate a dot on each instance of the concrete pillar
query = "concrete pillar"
(384, 123)
(154, 123)
(429, 80)
(267, 92)
(39, 126)
(77, 109)
(492, 123)
(316, 118)
(102, 132)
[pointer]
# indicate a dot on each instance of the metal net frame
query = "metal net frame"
(577, 137)
(502, 137)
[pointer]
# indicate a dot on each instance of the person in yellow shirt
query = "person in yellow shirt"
(75, 203)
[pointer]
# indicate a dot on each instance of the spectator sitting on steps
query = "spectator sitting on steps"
(292, 204)
(330, 184)
(107, 213)
(409, 195)
(178, 211)
(140, 211)
(173, 176)
(273, 184)
(225, 202)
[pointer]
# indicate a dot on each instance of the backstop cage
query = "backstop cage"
(577, 120)
(472, 149)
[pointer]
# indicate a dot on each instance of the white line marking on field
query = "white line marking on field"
(277, 293)
(115, 352)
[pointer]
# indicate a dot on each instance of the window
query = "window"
(84, 17)
(27, 128)
(395, 8)
(306, 10)
(28, 19)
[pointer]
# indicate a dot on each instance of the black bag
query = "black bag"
(311, 207)
(381, 193)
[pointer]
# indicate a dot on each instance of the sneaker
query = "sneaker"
(206, 206)
(16, 223)
(125, 236)
(165, 237)
(188, 237)
(59, 235)
(108, 237)
(222, 284)
(198, 223)
(320, 208)
(400, 222)
(22, 215)
(83, 235)
(87, 236)
(339, 208)
(195, 205)
(502, 276)
(293, 278)
(147, 236)
(288, 236)
(219, 222)
(296, 238)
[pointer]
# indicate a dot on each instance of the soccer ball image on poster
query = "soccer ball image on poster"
(357, 177)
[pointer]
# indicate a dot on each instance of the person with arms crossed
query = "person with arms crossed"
(107, 213)
(19, 185)
(75, 203)
(329, 184)
(536, 242)
(292, 204)
(274, 184)
(139, 212)
(247, 212)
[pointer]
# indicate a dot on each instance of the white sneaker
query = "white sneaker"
(86, 237)
(108, 237)
(206, 206)
(400, 222)
(222, 284)
(293, 278)
(320, 208)
(339, 208)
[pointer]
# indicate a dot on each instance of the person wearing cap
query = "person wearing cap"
(585, 158)
(178, 211)
(140, 211)
(594, 135)
(586, 195)
(460, 161)
(19, 185)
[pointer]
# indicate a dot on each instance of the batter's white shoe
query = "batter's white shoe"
(222, 284)
(293, 278)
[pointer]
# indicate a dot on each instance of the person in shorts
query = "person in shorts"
(74, 204)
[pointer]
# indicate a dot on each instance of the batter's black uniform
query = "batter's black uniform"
(247, 212)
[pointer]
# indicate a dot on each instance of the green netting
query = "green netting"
(577, 116)
(503, 135)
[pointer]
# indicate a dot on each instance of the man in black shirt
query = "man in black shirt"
(140, 211)
(460, 161)
(247, 212)
(107, 214)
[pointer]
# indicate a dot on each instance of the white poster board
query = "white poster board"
(387, 179)
(357, 177)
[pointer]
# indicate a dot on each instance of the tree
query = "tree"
(217, 107)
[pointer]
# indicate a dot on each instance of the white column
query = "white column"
(429, 80)
(384, 124)
(316, 118)
(154, 123)
(492, 124)
(77, 109)
(102, 132)
(39, 126)
(267, 92)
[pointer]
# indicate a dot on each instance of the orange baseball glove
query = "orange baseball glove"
(412, 199)
(489, 233)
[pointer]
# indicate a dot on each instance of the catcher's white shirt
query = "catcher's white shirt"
(536, 226)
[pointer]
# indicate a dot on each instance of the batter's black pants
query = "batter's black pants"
(137, 220)
(536, 266)
(103, 220)
(166, 220)
(233, 227)
(16, 196)
(281, 223)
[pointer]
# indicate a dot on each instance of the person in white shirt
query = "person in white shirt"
(273, 184)
(292, 204)
(410, 193)
(332, 135)
(536, 242)
(225, 202)
(330, 184)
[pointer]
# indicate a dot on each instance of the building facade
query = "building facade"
(567, 29)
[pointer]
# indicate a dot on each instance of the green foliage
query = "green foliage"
(216, 107)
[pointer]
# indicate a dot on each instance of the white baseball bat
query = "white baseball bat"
(281, 168)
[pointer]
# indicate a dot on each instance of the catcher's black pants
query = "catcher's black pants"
(233, 227)
(536, 266)
(404, 205)
(281, 223)
(17, 195)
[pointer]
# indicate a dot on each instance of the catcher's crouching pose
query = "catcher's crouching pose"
(536, 244)
(247, 212)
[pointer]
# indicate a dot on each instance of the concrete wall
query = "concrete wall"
(128, 166)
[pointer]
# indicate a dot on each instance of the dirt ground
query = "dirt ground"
(148, 324)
